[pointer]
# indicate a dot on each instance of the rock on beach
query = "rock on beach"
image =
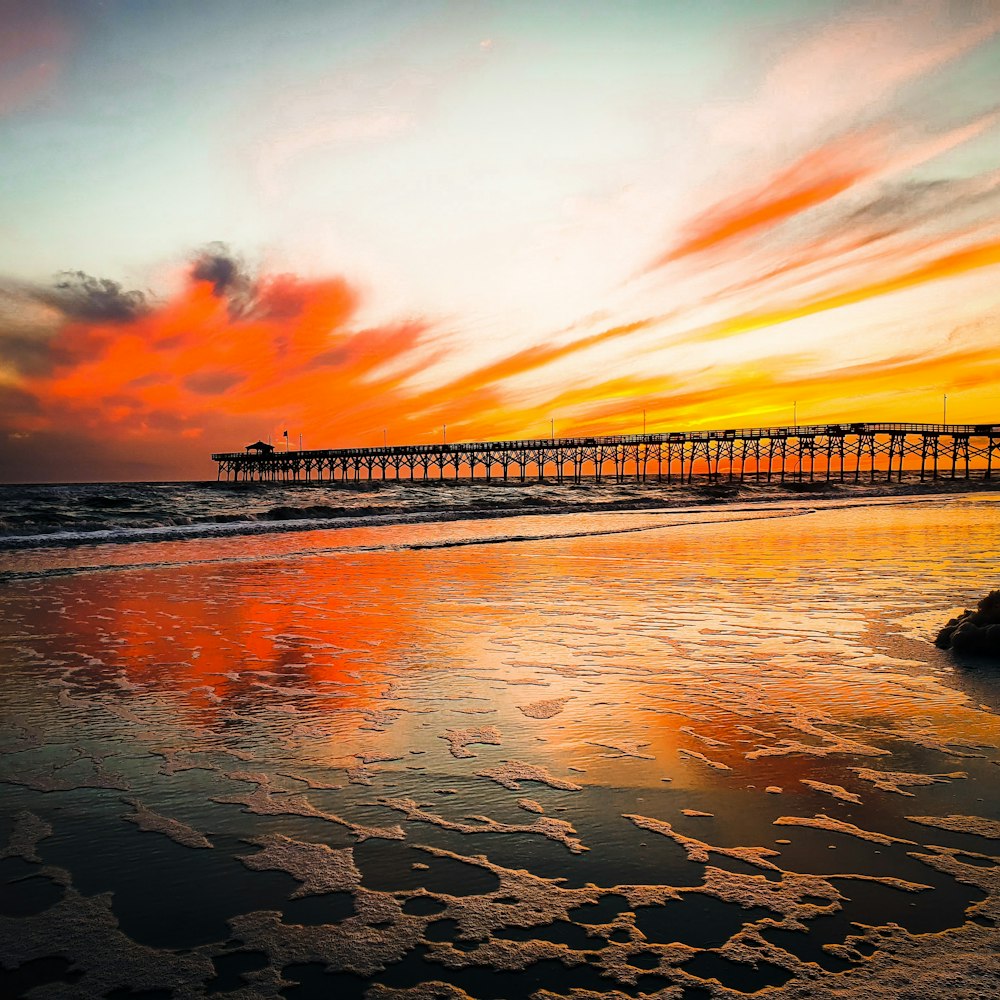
(976, 633)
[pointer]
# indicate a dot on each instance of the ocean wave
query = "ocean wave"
(55, 527)
(67, 517)
(281, 519)
(397, 545)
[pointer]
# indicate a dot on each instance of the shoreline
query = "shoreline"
(249, 542)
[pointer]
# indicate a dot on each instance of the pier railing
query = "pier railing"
(830, 451)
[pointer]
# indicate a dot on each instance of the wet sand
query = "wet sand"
(670, 753)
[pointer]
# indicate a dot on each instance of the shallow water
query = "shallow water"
(357, 760)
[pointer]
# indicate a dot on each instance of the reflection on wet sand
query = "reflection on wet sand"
(712, 757)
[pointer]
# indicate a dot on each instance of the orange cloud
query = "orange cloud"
(529, 359)
(130, 387)
(946, 266)
(224, 358)
(762, 393)
(816, 177)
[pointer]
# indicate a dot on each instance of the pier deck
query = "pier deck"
(841, 452)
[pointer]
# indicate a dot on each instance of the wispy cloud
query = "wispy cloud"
(848, 70)
(945, 266)
(815, 178)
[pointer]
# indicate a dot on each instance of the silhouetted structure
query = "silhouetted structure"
(831, 451)
(261, 448)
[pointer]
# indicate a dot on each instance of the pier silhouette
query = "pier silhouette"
(833, 452)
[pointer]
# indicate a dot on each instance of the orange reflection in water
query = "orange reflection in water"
(658, 645)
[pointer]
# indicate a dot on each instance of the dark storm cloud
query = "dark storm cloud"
(246, 293)
(229, 276)
(98, 300)
(31, 315)
(225, 270)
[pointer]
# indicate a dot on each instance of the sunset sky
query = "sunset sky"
(222, 220)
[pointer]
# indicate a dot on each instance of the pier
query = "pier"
(853, 452)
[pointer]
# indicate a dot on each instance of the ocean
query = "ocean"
(450, 741)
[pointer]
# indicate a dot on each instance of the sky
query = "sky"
(368, 221)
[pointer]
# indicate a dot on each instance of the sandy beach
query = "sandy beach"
(688, 753)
